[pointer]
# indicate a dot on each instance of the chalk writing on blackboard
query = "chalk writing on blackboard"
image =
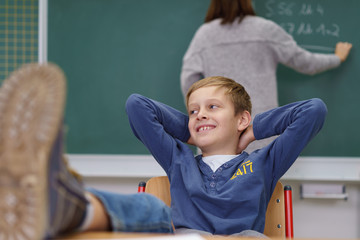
(290, 9)
(304, 28)
(303, 19)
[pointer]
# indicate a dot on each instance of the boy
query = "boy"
(224, 190)
(40, 198)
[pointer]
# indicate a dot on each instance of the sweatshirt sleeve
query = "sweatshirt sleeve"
(296, 124)
(292, 55)
(159, 127)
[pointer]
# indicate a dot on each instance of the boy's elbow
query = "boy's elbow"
(319, 108)
(132, 102)
(319, 105)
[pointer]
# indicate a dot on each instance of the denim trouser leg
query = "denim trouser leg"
(138, 212)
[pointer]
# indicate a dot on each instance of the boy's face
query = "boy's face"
(213, 126)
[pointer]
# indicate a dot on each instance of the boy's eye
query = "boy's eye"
(213, 106)
(193, 111)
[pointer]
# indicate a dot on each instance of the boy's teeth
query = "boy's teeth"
(204, 128)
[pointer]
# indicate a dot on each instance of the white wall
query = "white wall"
(326, 218)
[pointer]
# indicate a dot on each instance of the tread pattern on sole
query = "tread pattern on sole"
(31, 110)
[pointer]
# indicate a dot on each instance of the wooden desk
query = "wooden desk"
(112, 235)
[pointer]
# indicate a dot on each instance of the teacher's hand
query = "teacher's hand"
(342, 50)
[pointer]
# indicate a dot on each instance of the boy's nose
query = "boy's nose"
(202, 115)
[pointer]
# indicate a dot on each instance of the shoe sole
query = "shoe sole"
(31, 111)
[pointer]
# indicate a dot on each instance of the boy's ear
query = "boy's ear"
(244, 120)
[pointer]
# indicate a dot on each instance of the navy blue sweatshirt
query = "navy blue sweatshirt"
(234, 197)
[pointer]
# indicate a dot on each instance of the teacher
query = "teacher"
(235, 43)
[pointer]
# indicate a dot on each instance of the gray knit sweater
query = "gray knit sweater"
(249, 53)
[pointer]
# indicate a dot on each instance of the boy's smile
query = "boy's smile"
(205, 128)
(213, 126)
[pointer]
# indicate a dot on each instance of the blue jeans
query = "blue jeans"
(138, 212)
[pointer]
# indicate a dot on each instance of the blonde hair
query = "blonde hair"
(236, 91)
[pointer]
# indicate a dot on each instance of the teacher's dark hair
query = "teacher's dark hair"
(229, 10)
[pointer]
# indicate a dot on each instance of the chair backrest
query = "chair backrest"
(275, 214)
(160, 188)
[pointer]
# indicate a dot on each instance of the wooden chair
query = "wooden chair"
(278, 220)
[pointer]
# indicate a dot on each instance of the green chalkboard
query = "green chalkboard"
(318, 25)
(18, 34)
(111, 48)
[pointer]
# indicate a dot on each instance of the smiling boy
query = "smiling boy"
(224, 190)
(215, 123)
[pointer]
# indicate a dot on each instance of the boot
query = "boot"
(39, 197)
